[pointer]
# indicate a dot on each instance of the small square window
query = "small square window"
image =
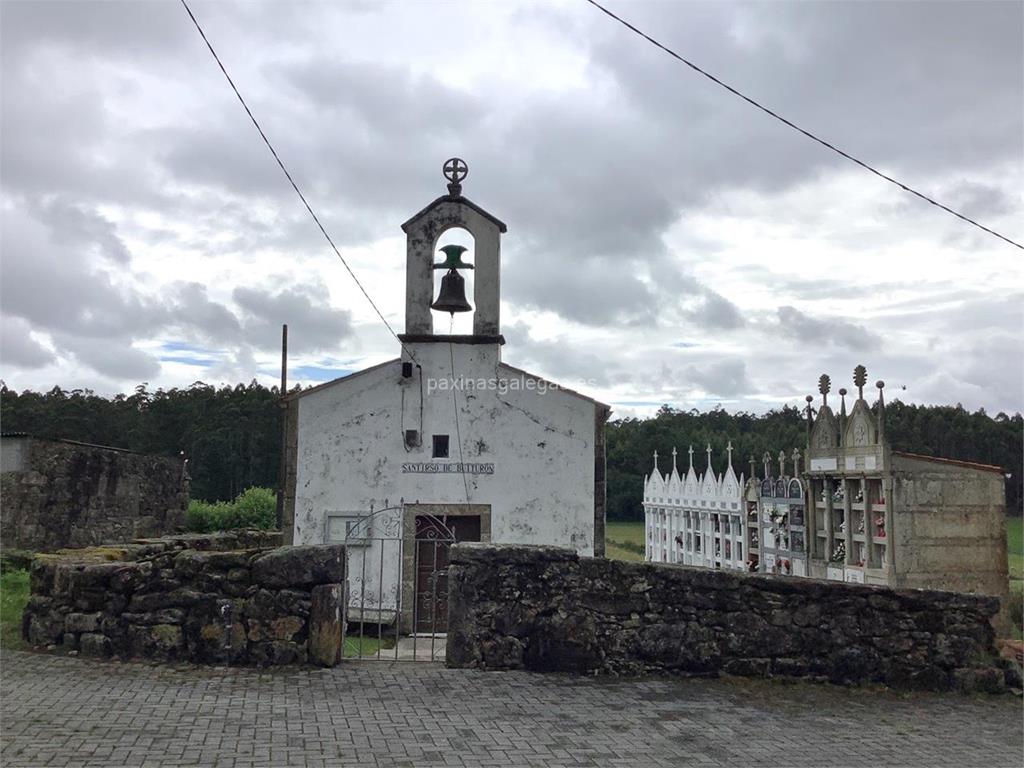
(440, 446)
(348, 528)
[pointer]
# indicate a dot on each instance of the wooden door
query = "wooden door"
(434, 537)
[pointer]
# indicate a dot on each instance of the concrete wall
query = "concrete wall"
(547, 609)
(62, 494)
(14, 453)
(950, 527)
(194, 598)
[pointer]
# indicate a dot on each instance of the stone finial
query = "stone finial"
(753, 464)
(690, 451)
(796, 462)
(656, 462)
(881, 409)
(810, 419)
(824, 387)
(860, 377)
(455, 170)
(728, 451)
(709, 456)
(782, 463)
(674, 470)
(767, 461)
(842, 401)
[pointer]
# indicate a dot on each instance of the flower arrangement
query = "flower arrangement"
(839, 553)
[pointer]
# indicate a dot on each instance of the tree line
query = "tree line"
(231, 435)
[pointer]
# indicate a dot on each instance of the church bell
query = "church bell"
(452, 296)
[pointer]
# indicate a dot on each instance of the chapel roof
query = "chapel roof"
(462, 201)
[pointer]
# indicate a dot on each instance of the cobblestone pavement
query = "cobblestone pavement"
(61, 711)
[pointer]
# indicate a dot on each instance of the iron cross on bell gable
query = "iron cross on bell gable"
(455, 170)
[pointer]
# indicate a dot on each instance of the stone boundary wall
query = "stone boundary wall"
(59, 493)
(220, 599)
(546, 609)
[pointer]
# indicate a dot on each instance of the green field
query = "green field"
(625, 541)
(1015, 551)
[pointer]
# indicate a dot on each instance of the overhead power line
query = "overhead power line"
(291, 181)
(796, 127)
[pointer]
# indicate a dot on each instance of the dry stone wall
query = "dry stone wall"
(546, 609)
(62, 494)
(221, 599)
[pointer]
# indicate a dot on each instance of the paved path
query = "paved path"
(72, 712)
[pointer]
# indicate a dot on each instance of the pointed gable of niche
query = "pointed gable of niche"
(825, 432)
(708, 482)
(860, 428)
(730, 484)
(675, 483)
(692, 484)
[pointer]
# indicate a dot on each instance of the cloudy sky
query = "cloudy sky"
(666, 242)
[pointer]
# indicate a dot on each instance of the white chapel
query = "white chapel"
(446, 441)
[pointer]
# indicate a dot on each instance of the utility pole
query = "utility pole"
(282, 469)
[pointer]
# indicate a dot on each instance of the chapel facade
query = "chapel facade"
(446, 442)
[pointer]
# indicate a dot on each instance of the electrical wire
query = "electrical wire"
(796, 127)
(455, 405)
(291, 181)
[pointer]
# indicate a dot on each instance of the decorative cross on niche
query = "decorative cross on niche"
(455, 170)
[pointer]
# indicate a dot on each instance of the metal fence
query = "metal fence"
(397, 587)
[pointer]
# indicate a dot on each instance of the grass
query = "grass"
(13, 596)
(625, 541)
(1015, 551)
(369, 646)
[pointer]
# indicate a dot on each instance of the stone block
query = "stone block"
(283, 628)
(82, 622)
(300, 566)
(41, 575)
(979, 680)
(162, 616)
(190, 562)
(265, 604)
(156, 641)
(92, 578)
(45, 629)
(327, 624)
(130, 577)
(854, 665)
(747, 667)
(95, 645)
(277, 652)
(155, 601)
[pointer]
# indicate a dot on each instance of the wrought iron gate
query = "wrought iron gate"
(397, 573)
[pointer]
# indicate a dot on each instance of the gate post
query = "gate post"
(327, 624)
